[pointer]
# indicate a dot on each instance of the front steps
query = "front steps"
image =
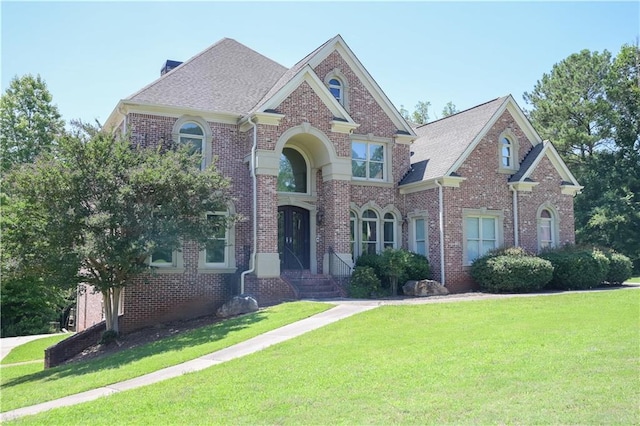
(309, 286)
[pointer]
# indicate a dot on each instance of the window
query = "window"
(420, 236)
(368, 160)
(192, 134)
(508, 152)
(389, 231)
(369, 232)
(162, 258)
(506, 157)
(482, 232)
(216, 250)
(335, 87)
(293, 172)
(352, 228)
(547, 229)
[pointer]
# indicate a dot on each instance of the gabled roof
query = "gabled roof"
(227, 77)
(443, 145)
(315, 58)
(532, 160)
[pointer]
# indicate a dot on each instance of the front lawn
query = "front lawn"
(634, 280)
(559, 359)
(34, 350)
(25, 385)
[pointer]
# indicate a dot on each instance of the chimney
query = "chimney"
(168, 66)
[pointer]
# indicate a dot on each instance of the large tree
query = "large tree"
(570, 106)
(29, 121)
(589, 106)
(101, 206)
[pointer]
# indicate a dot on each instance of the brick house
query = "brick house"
(326, 168)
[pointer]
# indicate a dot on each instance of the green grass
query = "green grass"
(635, 280)
(28, 385)
(32, 351)
(561, 359)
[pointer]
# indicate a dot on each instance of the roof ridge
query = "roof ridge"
(462, 112)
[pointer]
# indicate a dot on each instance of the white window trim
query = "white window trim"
(337, 74)
(387, 158)
(177, 264)
(305, 157)
(555, 225)
(498, 215)
(206, 140)
(413, 218)
(229, 265)
(514, 150)
(381, 213)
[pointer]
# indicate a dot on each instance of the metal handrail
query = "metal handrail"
(337, 266)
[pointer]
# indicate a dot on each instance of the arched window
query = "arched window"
(292, 176)
(369, 232)
(193, 135)
(506, 153)
(336, 89)
(389, 233)
(546, 229)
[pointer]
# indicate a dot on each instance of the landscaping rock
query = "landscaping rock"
(424, 288)
(237, 305)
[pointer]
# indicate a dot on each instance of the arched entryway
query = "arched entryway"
(293, 238)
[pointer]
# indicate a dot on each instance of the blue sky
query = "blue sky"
(92, 54)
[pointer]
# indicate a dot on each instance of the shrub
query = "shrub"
(511, 270)
(620, 267)
(396, 264)
(576, 268)
(108, 337)
(364, 283)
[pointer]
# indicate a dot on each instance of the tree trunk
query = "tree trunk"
(111, 299)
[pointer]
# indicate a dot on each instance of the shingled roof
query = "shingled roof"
(441, 143)
(227, 77)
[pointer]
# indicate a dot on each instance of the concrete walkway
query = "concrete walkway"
(344, 308)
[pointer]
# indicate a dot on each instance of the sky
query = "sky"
(92, 54)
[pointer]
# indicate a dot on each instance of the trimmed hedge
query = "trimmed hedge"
(511, 270)
(620, 267)
(576, 268)
(407, 265)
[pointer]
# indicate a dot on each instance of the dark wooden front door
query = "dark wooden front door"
(293, 237)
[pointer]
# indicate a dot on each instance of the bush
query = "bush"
(364, 283)
(108, 337)
(620, 267)
(399, 263)
(577, 268)
(511, 270)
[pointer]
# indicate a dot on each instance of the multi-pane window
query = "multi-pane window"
(389, 231)
(192, 134)
(506, 153)
(420, 236)
(369, 232)
(545, 230)
(367, 160)
(216, 250)
(481, 236)
(337, 90)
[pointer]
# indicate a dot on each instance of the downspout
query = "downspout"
(516, 238)
(255, 208)
(441, 225)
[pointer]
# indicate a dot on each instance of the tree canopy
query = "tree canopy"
(101, 206)
(589, 107)
(29, 122)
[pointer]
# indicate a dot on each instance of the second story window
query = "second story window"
(336, 89)
(193, 135)
(506, 153)
(368, 160)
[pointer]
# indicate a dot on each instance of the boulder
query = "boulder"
(238, 305)
(424, 288)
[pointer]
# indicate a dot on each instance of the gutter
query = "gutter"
(255, 207)
(441, 226)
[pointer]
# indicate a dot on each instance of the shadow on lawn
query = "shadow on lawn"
(200, 336)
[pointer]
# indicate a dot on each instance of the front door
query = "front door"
(293, 237)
